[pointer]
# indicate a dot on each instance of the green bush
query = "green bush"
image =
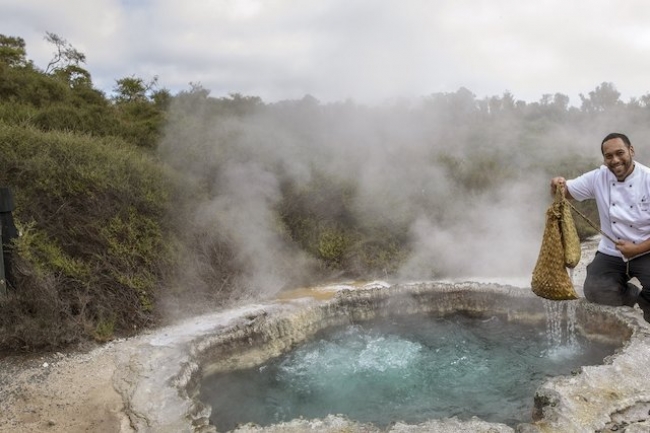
(95, 235)
(59, 118)
(378, 255)
(27, 85)
(321, 218)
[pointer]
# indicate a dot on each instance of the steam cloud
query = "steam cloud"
(404, 158)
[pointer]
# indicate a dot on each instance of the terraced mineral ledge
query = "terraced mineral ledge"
(158, 375)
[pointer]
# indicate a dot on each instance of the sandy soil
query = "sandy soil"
(61, 393)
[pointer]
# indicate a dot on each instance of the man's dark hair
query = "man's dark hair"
(617, 135)
(614, 135)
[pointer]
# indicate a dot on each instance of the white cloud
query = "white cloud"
(334, 49)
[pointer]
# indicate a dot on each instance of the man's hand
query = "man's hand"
(557, 182)
(628, 249)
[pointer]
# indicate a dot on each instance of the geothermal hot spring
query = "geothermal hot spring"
(423, 357)
(431, 356)
(408, 368)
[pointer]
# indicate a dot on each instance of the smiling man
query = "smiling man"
(621, 188)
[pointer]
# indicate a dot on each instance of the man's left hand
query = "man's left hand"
(627, 248)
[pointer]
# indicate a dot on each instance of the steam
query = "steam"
(410, 163)
(489, 237)
(247, 192)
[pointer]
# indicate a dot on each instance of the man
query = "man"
(621, 188)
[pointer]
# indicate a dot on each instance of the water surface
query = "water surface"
(408, 369)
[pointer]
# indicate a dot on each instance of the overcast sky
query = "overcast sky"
(367, 50)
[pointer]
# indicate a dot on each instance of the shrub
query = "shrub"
(16, 114)
(321, 218)
(59, 117)
(96, 241)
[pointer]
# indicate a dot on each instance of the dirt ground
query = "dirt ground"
(61, 393)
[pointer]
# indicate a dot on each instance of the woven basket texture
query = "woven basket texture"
(560, 249)
(570, 238)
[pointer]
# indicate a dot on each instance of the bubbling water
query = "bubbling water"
(407, 369)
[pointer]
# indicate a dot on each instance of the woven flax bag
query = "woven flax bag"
(560, 249)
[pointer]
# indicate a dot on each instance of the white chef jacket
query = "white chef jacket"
(623, 207)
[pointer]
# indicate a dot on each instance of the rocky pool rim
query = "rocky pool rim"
(256, 333)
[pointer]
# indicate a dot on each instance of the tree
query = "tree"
(133, 89)
(241, 105)
(644, 100)
(603, 98)
(12, 51)
(508, 102)
(65, 65)
(550, 107)
(197, 91)
(561, 102)
(74, 75)
(140, 109)
(64, 56)
(162, 99)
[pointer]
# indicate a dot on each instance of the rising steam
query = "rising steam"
(472, 190)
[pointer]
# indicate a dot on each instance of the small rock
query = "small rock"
(45, 365)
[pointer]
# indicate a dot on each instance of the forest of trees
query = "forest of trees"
(140, 204)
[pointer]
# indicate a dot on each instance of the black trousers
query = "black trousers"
(607, 282)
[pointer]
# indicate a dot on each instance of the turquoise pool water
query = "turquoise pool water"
(407, 369)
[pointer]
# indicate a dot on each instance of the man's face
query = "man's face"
(618, 158)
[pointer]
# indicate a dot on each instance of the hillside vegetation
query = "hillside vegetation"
(141, 203)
